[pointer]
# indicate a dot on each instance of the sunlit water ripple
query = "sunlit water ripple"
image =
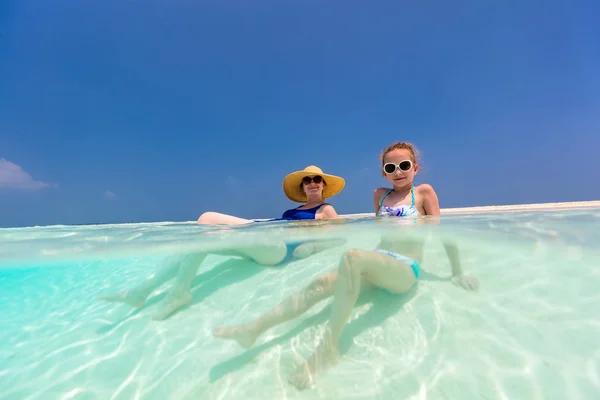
(530, 332)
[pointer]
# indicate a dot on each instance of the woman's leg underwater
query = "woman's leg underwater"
(312, 247)
(180, 294)
(137, 295)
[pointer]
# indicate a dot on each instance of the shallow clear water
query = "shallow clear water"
(532, 331)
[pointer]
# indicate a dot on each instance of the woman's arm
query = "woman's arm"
(328, 212)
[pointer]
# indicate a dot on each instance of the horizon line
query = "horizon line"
(567, 205)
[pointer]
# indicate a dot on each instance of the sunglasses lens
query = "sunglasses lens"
(405, 165)
(389, 168)
(307, 179)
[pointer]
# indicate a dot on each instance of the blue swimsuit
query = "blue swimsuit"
(290, 247)
(295, 214)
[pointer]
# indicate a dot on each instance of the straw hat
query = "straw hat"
(291, 184)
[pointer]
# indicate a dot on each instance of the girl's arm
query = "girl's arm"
(431, 206)
(377, 198)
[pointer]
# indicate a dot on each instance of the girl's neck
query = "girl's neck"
(402, 189)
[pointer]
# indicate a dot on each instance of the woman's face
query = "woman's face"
(313, 185)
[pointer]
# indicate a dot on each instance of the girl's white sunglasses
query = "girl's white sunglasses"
(390, 168)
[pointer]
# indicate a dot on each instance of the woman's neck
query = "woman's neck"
(314, 201)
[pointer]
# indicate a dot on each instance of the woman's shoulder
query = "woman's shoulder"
(327, 210)
(326, 205)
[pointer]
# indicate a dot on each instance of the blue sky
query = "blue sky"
(125, 111)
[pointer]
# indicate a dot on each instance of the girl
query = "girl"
(393, 266)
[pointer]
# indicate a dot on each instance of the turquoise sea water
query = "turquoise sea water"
(532, 331)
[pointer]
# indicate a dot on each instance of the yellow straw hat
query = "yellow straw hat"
(291, 184)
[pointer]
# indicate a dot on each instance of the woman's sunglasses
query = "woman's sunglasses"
(316, 179)
(390, 168)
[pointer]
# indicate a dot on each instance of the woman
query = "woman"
(393, 266)
(310, 186)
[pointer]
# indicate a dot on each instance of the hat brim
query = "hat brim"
(291, 185)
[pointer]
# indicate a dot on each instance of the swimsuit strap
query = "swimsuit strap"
(412, 193)
(310, 209)
(381, 202)
(412, 189)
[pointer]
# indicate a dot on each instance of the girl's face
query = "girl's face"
(399, 167)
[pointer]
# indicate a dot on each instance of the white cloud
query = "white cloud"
(14, 177)
(108, 195)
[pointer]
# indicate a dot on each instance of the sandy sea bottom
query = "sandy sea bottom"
(530, 332)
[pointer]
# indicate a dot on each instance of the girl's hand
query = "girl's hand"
(466, 282)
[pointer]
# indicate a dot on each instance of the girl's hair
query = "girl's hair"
(401, 145)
